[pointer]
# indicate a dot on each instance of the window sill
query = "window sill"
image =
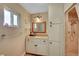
(11, 27)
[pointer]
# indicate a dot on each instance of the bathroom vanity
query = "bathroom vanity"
(37, 45)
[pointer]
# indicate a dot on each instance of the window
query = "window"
(15, 20)
(10, 18)
(7, 17)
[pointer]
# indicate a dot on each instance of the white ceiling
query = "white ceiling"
(35, 7)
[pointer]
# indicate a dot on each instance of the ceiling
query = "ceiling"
(35, 7)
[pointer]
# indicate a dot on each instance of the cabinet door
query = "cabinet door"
(55, 32)
(54, 48)
(42, 47)
(31, 47)
(71, 45)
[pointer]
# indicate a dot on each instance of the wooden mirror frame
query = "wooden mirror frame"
(38, 31)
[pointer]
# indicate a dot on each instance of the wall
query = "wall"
(14, 41)
(67, 6)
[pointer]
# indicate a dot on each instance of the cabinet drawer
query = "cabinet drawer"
(37, 46)
(31, 47)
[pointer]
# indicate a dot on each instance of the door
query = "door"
(71, 41)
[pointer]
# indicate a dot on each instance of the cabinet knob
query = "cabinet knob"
(44, 41)
(35, 45)
(50, 42)
(68, 32)
(74, 32)
(3, 35)
(50, 25)
(28, 39)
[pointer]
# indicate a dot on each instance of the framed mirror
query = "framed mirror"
(39, 27)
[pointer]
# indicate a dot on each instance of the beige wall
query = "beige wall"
(14, 41)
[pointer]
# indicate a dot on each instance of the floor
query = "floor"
(31, 54)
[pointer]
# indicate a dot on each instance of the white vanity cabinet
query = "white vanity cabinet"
(37, 46)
